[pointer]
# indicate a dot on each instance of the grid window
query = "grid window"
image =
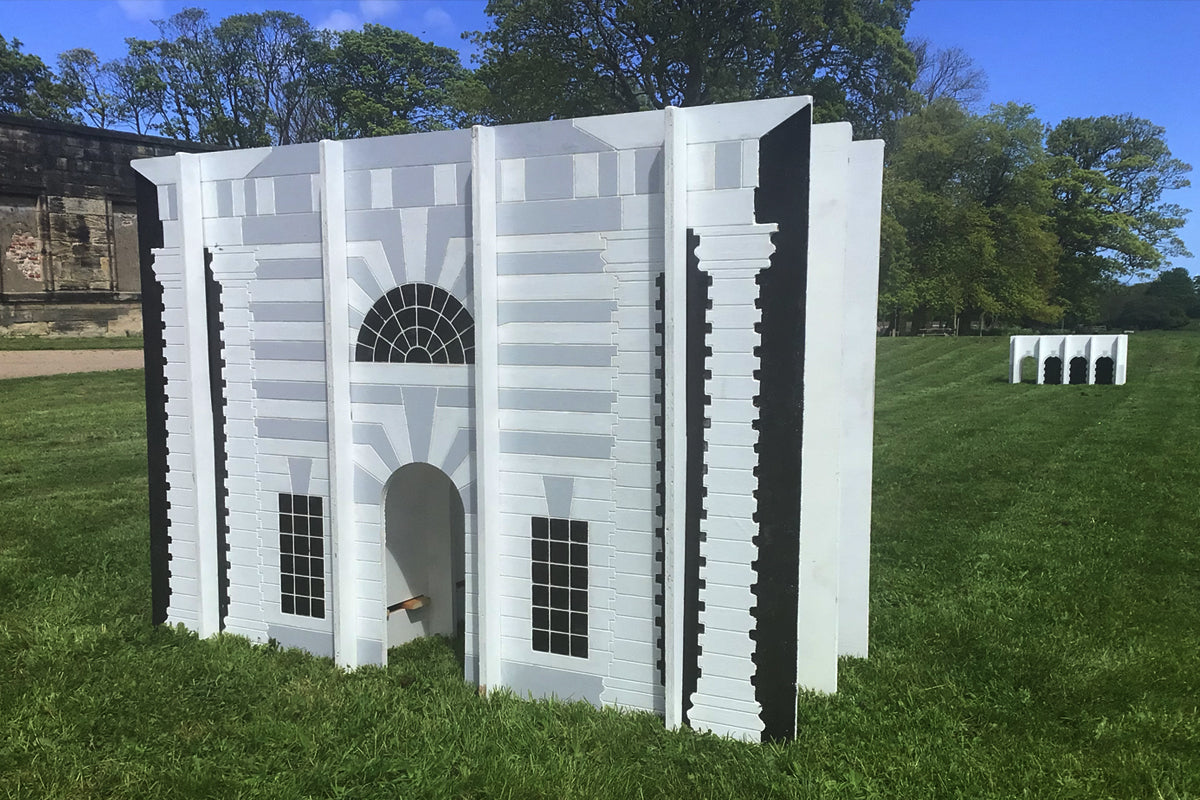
(559, 569)
(301, 556)
(417, 323)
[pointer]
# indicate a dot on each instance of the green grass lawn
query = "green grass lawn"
(71, 342)
(1035, 628)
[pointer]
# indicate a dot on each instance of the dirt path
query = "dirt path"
(23, 363)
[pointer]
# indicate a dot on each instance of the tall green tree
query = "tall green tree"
(28, 87)
(379, 81)
(1109, 178)
(966, 231)
(138, 86)
(559, 58)
(88, 85)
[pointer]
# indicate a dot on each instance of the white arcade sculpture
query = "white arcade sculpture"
(1064, 358)
(594, 394)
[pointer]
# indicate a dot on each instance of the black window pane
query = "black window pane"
(559, 529)
(540, 550)
(578, 623)
(318, 609)
(299, 504)
(300, 525)
(316, 547)
(560, 621)
(300, 545)
(541, 641)
(541, 528)
(578, 531)
(559, 575)
(314, 506)
(288, 603)
(285, 523)
(287, 584)
(541, 572)
(579, 555)
(541, 618)
(559, 552)
(541, 595)
(579, 646)
(286, 563)
(579, 577)
(314, 526)
(316, 587)
(560, 598)
(560, 643)
(579, 600)
(302, 606)
(285, 504)
(301, 585)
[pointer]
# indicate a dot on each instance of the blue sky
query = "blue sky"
(1068, 58)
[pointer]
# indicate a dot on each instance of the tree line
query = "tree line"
(990, 216)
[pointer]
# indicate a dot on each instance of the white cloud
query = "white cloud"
(371, 10)
(437, 20)
(339, 20)
(143, 10)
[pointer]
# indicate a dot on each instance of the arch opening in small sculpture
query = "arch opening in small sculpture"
(1052, 371)
(1104, 370)
(417, 323)
(1078, 370)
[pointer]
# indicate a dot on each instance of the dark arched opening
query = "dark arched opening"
(1052, 371)
(1079, 370)
(1104, 370)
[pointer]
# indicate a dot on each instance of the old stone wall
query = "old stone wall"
(68, 227)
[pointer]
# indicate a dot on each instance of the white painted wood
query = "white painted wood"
(860, 300)
(337, 375)
(676, 218)
(196, 332)
(820, 472)
(487, 394)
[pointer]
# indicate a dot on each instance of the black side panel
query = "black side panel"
(782, 198)
(150, 236)
(660, 480)
(697, 421)
(216, 388)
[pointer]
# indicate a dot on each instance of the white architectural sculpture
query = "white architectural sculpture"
(1063, 358)
(595, 395)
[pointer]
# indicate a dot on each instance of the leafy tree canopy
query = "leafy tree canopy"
(557, 58)
(28, 87)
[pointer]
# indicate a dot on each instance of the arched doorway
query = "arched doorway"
(1052, 370)
(424, 555)
(1079, 370)
(1104, 370)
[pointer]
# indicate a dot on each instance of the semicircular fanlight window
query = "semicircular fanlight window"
(417, 323)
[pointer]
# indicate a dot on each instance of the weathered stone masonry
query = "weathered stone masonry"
(68, 227)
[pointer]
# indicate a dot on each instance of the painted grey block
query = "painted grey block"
(250, 191)
(290, 390)
(570, 262)
(648, 171)
(288, 351)
(556, 400)
(729, 165)
(559, 216)
(293, 159)
(224, 198)
(375, 436)
(299, 311)
(319, 643)
(455, 397)
(383, 226)
(377, 393)
(361, 274)
(442, 224)
(303, 430)
(412, 187)
(300, 470)
(609, 173)
(556, 311)
(460, 448)
(545, 139)
(287, 229)
(556, 355)
(293, 194)
(549, 178)
(358, 189)
(462, 180)
(284, 269)
(367, 488)
(547, 682)
(419, 404)
(558, 495)
(370, 651)
(572, 445)
(441, 147)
